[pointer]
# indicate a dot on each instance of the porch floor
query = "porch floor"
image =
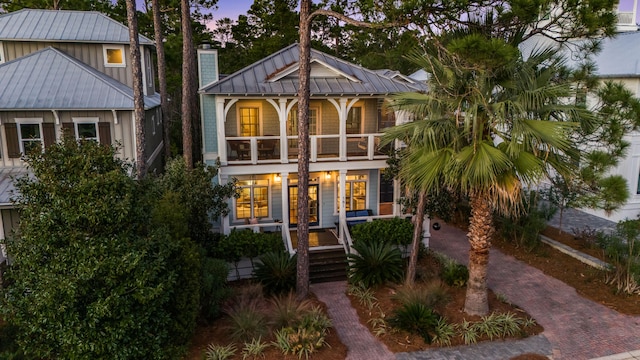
(317, 237)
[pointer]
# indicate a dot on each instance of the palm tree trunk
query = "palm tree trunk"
(302, 280)
(480, 233)
(138, 97)
(188, 84)
(417, 237)
(162, 77)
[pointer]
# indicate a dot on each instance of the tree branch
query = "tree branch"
(351, 21)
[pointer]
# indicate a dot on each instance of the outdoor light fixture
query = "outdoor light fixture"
(277, 178)
(327, 175)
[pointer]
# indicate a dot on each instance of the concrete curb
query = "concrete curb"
(585, 258)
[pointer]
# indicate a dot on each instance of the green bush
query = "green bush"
(432, 295)
(622, 249)
(214, 290)
(416, 318)
(219, 352)
(246, 243)
(375, 264)
(451, 272)
(276, 271)
(287, 310)
(524, 229)
(306, 337)
(247, 322)
(394, 231)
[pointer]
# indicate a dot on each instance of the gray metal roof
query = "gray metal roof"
(50, 79)
(64, 26)
(7, 188)
(334, 77)
(620, 56)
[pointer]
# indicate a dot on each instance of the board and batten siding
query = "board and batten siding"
(88, 53)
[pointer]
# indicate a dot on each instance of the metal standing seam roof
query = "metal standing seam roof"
(7, 187)
(255, 79)
(620, 56)
(50, 79)
(64, 26)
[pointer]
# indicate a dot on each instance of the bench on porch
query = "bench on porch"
(355, 214)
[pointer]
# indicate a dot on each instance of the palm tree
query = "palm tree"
(490, 123)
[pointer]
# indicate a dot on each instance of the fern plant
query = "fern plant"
(276, 271)
(375, 264)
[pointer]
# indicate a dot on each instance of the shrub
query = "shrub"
(254, 348)
(432, 295)
(444, 332)
(247, 322)
(276, 271)
(218, 352)
(364, 295)
(246, 243)
(287, 310)
(416, 318)
(214, 290)
(394, 231)
(375, 263)
(524, 229)
(452, 273)
(622, 249)
(305, 337)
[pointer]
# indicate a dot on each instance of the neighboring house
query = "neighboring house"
(249, 122)
(68, 71)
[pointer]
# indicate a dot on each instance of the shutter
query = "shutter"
(13, 146)
(49, 134)
(104, 129)
(68, 130)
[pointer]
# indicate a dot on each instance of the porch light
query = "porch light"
(327, 175)
(277, 178)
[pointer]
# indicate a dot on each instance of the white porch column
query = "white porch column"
(341, 195)
(224, 221)
(283, 109)
(426, 231)
(285, 208)
(222, 142)
(343, 131)
(3, 249)
(397, 194)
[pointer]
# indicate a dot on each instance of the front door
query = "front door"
(314, 219)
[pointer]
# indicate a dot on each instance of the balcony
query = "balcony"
(267, 149)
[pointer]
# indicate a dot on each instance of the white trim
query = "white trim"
(3, 58)
(234, 202)
(114, 47)
(21, 121)
(293, 68)
(144, 64)
(250, 105)
(86, 120)
(367, 190)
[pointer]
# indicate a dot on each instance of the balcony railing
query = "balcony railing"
(266, 149)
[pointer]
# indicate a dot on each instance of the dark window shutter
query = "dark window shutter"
(68, 130)
(49, 134)
(104, 129)
(13, 146)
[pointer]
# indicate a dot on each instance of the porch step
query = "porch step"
(327, 265)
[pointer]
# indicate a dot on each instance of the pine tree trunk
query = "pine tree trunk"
(138, 95)
(417, 237)
(480, 233)
(302, 282)
(162, 77)
(188, 91)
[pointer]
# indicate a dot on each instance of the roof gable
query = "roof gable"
(51, 79)
(277, 74)
(64, 26)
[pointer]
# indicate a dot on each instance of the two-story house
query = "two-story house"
(68, 71)
(249, 122)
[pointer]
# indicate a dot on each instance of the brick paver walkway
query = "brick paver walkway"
(362, 345)
(576, 327)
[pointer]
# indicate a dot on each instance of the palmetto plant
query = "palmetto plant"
(375, 264)
(490, 122)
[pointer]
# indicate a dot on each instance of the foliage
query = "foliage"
(452, 272)
(622, 249)
(305, 338)
(433, 295)
(374, 264)
(214, 290)
(276, 271)
(9, 349)
(416, 318)
(90, 277)
(246, 243)
(443, 332)
(218, 352)
(247, 322)
(254, 348)
(468, 332)
(396, 231)
(588, 235)
(197, 194)
(287, 310)
(365, 295)
(524, 228)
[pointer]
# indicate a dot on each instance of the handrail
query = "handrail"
(347, 241)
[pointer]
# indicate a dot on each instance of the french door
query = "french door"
(314, 218)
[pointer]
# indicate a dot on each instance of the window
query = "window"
(30, 136)
(253, 201)
(355, 193)
(386, 117)
(114, 55)
(86, 129)
(354, 120)
(293, 121)
(249, 121)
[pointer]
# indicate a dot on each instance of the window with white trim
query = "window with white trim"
(355, 193)
(249, 121)
(30, 135)
(292, 121)
(354, 120)
(114, 55)
(253, 201)
(86, 129)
